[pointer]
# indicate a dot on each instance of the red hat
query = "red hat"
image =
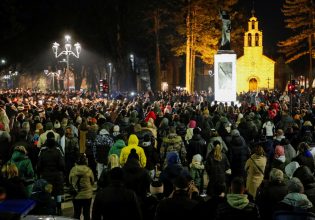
(192, 124)
(279, 151)
(93, 121)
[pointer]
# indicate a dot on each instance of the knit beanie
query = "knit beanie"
(192, 124)
(279, 151)
(116, 128)
(197, 158)
(133, 154)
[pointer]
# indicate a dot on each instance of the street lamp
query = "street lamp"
(52, 74)
(132, 59)
(67, 52)
(3, 61)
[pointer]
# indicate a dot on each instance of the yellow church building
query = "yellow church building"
(254, 71)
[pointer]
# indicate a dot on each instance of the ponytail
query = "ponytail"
(217, 152)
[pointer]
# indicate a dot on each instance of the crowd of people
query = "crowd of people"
(159, 156)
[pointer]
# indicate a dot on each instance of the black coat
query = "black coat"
(116, 202)
(178, 207)
(51, 165)
(197, 145)
(238, 155)
(269, 194)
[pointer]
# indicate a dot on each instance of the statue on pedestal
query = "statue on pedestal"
(226, 31)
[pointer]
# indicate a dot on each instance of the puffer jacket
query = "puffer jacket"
(133, 143)
(85, 190)
(117, 147)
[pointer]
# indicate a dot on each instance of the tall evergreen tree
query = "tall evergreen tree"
(299, 17)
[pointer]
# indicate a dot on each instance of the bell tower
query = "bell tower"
(253, 37)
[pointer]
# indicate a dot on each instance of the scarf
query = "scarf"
(237, 201)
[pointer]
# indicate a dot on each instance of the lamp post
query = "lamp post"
(67, 52)
(52, 74)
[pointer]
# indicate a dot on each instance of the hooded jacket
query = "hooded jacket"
(85, 190)
(117, 147)
(133, 143)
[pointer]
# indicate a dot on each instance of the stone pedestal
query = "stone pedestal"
(225, 76)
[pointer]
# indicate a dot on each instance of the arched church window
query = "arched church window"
(249, 40)
(253, 24)
(256, 39)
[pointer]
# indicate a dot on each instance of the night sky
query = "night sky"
(30, 27)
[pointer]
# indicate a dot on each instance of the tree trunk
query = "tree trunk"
(157, 52)
(188, 50)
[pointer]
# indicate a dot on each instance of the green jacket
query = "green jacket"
(117, 147)
(86, 181)
(24, 165)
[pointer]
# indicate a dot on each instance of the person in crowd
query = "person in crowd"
(178, 205)
(113, 161)
(295, 200)
(12, 183)
(133, 144)
(270, 193)
(190, 130)
(307, 178)
(237, 204)
(255, 167)
(238, 154)
(304, 156)
(45, 204)
(173, 143)
(83, 130)
(103, 143)
(42, 138)
(71, 151)
(82, 179)
(118, 145)
(51, 167)
(137, 178)
(217, 167)
(196, 170)
(25, 168)
(197, 145)
(116, 201)
(171, 171)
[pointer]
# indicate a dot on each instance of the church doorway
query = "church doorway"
(253, 84)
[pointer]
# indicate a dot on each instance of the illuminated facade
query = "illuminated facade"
(255, 71)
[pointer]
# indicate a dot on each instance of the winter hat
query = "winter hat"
(93, 121)
(192, 124)
(57, 124)
(235, 133)
(79, 120)
(279, 151)
(133, 154)
(116, 128)
(291, 168)
(295, 185)
(172, 158)
(197, 158)
(156, 187)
